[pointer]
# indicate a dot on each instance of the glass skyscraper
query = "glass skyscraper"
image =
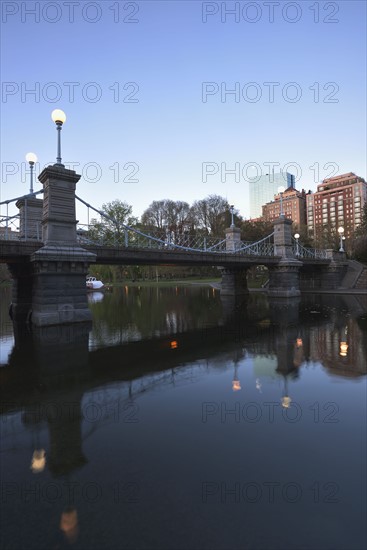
(263, 189)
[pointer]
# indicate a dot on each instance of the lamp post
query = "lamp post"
(281, 190)
(31, 158)
(59, 118)
(231, 209)
(296, 236)
(341, 231)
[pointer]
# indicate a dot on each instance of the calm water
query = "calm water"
(183, 422)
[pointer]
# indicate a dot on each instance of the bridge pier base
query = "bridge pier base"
(234, 282)
(284, 279)
(59, 287)
(22, 292)
(332, 275)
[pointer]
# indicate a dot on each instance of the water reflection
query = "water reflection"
(73, 399)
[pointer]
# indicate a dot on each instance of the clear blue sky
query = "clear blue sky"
(170, 132)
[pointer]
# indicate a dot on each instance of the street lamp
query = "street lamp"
(59, 117)
(296, 236)
(31, 158)
(231, 209)
(281, 190)
(341, 231)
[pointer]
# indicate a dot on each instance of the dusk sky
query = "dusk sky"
(141, 106)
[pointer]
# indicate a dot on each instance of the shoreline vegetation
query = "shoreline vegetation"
(253, 286)
(204, 281)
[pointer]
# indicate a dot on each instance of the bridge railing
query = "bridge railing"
(128, 237)
(125, 236)
(121, 235)
(264, 247)
(308, 253)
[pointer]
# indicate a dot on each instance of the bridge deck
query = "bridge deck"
(20, 252)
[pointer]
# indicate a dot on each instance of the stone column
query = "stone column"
(283, 237)
(284, 276)
(233, 239)
(331, 276)
(61, 265)
(30, 211)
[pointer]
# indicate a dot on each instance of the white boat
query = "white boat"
(94, 284)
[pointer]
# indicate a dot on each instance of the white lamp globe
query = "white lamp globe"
(341, 230)
(58, 116)
(296, 236)
(31, 158)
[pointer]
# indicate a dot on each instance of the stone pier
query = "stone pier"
(284, 277)
(234, 281)
(61, 265)
(30, 213)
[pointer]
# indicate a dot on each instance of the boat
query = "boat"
(94, 284)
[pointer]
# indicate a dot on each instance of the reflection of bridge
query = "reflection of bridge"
(51, 370)
(49, 270)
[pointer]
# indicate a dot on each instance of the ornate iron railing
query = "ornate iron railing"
(125, 236)
(308, 253)
(264, 247)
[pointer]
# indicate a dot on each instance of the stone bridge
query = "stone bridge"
(49, 267)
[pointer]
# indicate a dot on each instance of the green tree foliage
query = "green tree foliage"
(362, 229)
(110, 230)
(359, 245)
(360, 248)
(255, 230)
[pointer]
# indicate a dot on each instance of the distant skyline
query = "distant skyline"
(182, 99)
(263, 190)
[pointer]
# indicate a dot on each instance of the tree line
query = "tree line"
(210, 216)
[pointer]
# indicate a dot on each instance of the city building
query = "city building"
(263, 189)
(293, 205)
(338, 202)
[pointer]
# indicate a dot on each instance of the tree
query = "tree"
(255, 230)
(211, 215)
(110, 229)
(362, 228)
(168, 216)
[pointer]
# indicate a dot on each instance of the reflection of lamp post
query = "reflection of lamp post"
(231, 209)
(296, 236)
(341, 231)
(281, 190)
(31, 158)
(38, 461)
(59, 118)
(343, 349)
(236, 384)
(286, 400)
(343, 346)
(69, 524)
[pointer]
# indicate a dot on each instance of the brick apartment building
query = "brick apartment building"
(338, 202)
(294, 206)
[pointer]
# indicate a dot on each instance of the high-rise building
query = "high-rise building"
(263, 189)
(293, 206)
(338, 202)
